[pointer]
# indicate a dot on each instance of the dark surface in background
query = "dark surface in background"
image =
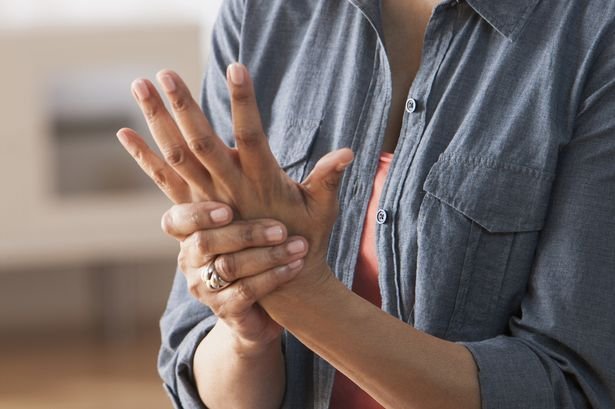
(80, 374)
(83, 338)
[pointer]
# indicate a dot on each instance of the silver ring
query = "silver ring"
(210, 277)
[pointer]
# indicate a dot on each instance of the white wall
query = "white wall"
(15, 13)
(25, 14)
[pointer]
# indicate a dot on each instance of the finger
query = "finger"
(206, 146)
(158, 170)
(250, 262)
(203, 244)
(235, 299)
(323, 182)
(168, 136)
(184, 219)
(254, 152)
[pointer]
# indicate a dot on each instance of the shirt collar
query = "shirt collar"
(508, 17)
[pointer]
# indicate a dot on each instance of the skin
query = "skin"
(375, 350)
(404, 23)
(244, 346)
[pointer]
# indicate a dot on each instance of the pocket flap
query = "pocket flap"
(291, 140)
(501, 197)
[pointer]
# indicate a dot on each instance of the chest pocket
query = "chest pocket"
(477, 232)
(291, 141)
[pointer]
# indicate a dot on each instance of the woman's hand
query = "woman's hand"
(199, 166)
(244, 346)
(256, 256)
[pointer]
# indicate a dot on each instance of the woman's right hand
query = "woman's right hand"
(256, 256)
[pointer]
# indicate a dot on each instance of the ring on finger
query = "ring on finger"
(211, 278)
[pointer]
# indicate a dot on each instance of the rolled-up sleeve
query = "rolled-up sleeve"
(184, 324)
(560, 352)
(186, 321)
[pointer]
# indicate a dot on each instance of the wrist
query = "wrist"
(246, 349)
(315, 274)
(312, 287)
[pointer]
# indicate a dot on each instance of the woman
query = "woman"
(477, 215)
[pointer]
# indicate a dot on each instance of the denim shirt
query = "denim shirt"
(496, 226)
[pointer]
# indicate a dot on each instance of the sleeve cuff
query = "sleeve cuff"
(183, 391)
(511, 375)
(172, 397)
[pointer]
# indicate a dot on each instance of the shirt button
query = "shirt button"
(381, 216)
(410, 105)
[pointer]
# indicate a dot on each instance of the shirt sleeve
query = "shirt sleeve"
(186, 321)
(560, 352)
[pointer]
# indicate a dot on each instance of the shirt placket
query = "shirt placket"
(367, 142)
(396, 297)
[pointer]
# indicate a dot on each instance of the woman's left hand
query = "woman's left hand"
(198, 165)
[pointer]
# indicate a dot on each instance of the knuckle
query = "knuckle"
(151, 113)
(181, 103)
(195, 219)
(226, 266)
(330, 184)
(194, 287)
(221, 309)
(277, 254)
(203, 242)
(137, 153)
(182, 261)
(244, 292)
(241, 96)
(174, 155)
(249, 137)
(160, 178)
(247, 234)
(203, 145)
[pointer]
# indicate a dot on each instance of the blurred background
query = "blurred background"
(84, 268)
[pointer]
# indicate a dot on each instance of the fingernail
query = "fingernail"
(122, 137)
(141, 89)
(274, 233)
(289, 270)
(236, 73)
(295, 264)
(295, 247)
(220, 215)
(168, 83)
(282, 270)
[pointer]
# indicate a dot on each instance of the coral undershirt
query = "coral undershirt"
(347, 395)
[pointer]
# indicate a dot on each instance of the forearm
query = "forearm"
(397, 365)
(228, 376)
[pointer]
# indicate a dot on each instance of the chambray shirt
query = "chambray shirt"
(496, 226)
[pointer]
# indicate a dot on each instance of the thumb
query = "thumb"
(323, 182)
